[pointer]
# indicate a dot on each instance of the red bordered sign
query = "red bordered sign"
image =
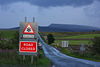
(28, 29)
(25, 46)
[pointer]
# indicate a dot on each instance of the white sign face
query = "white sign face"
(28, 36)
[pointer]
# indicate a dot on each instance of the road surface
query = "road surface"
(62, 60)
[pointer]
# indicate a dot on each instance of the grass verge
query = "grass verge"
(13, 59)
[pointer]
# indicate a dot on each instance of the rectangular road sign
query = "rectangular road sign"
(28, 46)
(28, 36)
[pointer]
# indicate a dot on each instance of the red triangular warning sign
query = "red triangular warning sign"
(28, 29)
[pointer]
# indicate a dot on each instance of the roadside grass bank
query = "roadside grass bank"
(13, 59)
(87, 56)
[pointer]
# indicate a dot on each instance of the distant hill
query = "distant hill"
(64, 28)
(68, 28)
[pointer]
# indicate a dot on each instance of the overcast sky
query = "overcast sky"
(46, 12)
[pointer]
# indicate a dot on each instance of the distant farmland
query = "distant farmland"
(8, 33)
(74, 38)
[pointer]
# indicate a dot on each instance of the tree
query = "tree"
(96, 45)
(50, 38)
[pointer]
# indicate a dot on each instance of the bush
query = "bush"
(96, 45)
(50, 38)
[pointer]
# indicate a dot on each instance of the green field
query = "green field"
(76, 42)
(8, 33)
(80, 36)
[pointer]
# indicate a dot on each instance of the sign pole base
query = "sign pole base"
(23, 58)
(32, 58)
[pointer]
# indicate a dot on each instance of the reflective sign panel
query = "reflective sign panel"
(26, 46)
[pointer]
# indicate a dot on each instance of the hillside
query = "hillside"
(67, 28)
(64, 28)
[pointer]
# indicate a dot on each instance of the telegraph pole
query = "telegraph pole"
(25, 19)
(33, 19)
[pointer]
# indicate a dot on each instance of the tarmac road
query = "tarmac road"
(62, 60)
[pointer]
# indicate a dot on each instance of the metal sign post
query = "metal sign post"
(23, 58)
(32, 58)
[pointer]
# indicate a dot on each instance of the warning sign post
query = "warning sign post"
(28, 38)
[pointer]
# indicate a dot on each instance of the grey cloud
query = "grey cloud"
(93, 10)
(51, 3)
